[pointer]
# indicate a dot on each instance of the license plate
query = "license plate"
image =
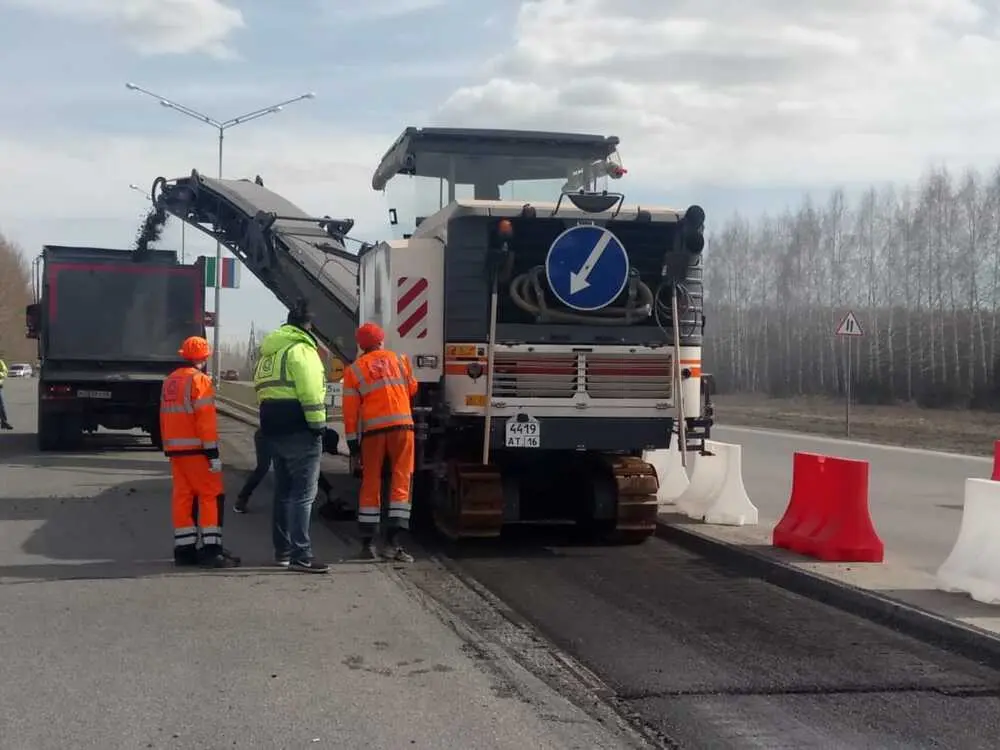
(93, 394)
(523, 433)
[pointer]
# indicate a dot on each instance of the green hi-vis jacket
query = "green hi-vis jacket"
(290, 382)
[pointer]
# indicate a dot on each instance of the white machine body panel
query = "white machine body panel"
(402, 289)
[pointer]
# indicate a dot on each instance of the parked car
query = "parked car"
(21, 370)
(230, 374)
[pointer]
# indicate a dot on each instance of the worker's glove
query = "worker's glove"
(331, 441)
(353, 447)
(215, 465)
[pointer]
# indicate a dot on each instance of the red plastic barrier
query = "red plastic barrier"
(807, 475)
(827, 515)
(996, 461)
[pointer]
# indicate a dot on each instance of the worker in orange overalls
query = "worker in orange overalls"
(378, 426)
(188, 424)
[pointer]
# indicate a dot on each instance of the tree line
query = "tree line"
(920, 268)
(15, 295)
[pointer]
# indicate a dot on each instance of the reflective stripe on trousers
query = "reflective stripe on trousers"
(185, 536)
(188, 444)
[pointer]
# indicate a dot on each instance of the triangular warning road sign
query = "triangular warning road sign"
(849, 326)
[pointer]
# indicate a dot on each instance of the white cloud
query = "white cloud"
(154, 27)
(376, 10)
(737, 92)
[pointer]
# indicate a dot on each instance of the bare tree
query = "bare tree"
(15, 294)
(920, 268)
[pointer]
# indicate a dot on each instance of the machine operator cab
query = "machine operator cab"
(427, 169)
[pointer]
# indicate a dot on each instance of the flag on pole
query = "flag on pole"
(230, 273)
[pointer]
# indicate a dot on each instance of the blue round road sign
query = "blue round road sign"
(587, 267)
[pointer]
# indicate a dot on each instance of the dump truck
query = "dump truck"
(108, 324)
(554, 329)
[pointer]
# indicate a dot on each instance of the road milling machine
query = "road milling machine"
(554, 329)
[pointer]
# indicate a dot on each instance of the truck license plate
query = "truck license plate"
(523, 433)
(93, 394)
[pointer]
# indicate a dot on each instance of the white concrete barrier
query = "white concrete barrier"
(973, 567)
(673, 479)
(706, 478)
(716, 493)
(731, 506)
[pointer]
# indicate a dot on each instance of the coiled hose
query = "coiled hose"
(527, 292)
(662, 309)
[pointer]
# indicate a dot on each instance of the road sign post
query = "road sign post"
(587, 267)
(848, 329)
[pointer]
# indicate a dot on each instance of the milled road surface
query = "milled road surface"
(714, 660)
(704, 657)
(104, 645)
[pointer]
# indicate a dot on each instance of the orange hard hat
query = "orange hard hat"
(195, 349)
(369, 336)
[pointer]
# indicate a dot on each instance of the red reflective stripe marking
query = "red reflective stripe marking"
(406, 298)
(411, 307)
(410, 323)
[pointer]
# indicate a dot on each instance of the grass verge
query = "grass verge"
(964, 431)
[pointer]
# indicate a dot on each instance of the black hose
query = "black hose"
(526, 291)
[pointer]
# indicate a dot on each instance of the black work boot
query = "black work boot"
(394, 550)
(240, 506)
(186, 556)
(368, 551)
(214, 556)
(6, 425)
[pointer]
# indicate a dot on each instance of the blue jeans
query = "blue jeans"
(260, 470)
(296, 464)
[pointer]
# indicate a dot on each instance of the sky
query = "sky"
(734, 105)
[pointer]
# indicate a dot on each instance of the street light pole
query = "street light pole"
(221, 126)
(148, 197)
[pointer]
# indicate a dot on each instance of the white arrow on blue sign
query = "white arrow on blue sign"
(587, 267)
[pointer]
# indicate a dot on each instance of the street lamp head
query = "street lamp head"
(274, 110)
(309, 95)
(165, 103)
(130, 86)
(134, 186)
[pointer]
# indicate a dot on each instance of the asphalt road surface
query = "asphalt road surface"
(915, 496)
(712, 659)
(704, 657)
(104, 645)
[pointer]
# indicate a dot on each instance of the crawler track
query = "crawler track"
(472, 505)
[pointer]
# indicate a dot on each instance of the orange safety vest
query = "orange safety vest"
(378, 387)
(188, 421)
